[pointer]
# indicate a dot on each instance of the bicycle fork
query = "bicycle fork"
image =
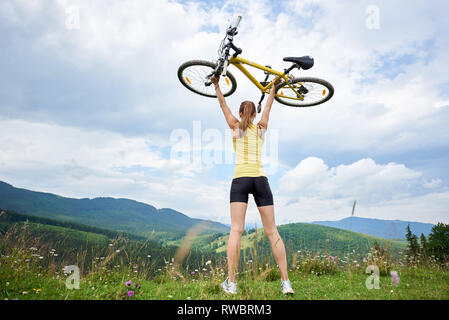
(264, 83)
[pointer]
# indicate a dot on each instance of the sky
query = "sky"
(91, 106)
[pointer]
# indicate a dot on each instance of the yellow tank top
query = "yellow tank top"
(248, 153)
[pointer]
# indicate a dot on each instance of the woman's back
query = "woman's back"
(248, 151)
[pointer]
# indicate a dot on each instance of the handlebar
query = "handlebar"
(230, 33)
(239, 18)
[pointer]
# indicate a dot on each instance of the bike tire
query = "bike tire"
(206, 92)
(304, 80)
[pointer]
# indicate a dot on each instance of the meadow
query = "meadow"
(32, 268)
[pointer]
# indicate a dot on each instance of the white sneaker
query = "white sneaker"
(286, 287)
(229, 287)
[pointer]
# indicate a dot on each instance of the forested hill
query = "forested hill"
(115, 214)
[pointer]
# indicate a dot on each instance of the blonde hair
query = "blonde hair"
(247, 109)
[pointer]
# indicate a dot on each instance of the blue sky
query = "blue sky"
(90, 110)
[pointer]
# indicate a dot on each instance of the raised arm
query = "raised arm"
(263, 123)
(232, 121)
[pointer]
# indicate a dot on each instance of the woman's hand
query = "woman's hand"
(276, 81)
(215, 80)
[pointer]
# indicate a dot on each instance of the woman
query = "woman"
(250, 177)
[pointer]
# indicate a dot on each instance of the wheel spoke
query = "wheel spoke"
(316, 94)
(195, 76)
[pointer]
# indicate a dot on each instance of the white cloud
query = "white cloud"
(363, 179)
(78, 163)
(313, 191)
(87, 101)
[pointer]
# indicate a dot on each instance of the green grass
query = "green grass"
(39, 280)
(32, 257)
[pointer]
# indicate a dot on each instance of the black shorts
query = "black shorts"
(258, 186)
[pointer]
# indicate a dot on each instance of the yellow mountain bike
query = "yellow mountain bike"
(297, 92)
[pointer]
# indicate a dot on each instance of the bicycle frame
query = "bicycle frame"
(238, 62)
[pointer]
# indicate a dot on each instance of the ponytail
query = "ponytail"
(247, 109)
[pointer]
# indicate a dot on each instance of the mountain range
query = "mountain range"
(388, 229)
(109, 213)
(142, 219)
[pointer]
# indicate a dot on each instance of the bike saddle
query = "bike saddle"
(305, 62)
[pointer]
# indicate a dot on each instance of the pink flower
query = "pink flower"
(128, 283)
(394, 277)
(137, 285)
(130, 293)
(27, 260)
(192, 273)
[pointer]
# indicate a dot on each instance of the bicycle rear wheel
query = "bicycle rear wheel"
(314, 91)
(194, 75)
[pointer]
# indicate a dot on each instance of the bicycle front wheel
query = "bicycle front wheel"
(314, 91)
(195, 75)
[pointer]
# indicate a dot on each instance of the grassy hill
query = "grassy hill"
(84, 245)
(33, 255)
(107, 213)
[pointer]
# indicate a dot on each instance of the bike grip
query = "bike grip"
(239, 18)
(225, 69)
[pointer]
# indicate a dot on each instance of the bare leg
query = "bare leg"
(277, 245)
(238, 212)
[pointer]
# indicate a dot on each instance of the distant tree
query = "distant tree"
(438, 243)
(424, 246)
(413, 246)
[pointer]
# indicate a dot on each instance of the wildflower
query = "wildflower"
(37, 290)
(394, 277)
(170, 296)
(117, 250)
(128, 283)
(192, 273)
(204, 269)
(188, 298)
(27, 260)
(130, 293)
(137, 285)
(208, 262)
(25, 292)
(149, 256)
